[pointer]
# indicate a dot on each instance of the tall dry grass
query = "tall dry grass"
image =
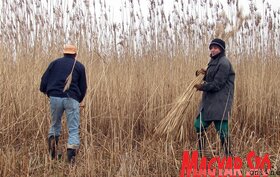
(133, 82)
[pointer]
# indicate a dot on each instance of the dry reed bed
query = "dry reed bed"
(190, 22)
(126, 101)
(131, 90)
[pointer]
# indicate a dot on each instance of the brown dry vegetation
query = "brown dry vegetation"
(132, 83)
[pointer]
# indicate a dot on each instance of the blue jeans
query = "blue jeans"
(72, 110)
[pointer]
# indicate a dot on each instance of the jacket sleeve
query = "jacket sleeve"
(83, 84)
(220, 79)
(45, 78)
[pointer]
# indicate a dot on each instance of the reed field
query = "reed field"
(136, 69)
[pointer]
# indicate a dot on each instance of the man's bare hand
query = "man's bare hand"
(200, 71)
(198, 87)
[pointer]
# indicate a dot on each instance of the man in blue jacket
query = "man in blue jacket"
(217, 98)
(65, 98)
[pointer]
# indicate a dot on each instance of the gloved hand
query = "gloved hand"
(198, 87)
(200, 71)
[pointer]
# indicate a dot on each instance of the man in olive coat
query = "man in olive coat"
(217, 98)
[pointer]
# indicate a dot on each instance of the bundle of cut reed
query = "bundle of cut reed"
(172, 126)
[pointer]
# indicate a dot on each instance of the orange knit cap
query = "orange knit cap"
(69, 49)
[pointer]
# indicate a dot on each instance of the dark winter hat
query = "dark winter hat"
(218, 42)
